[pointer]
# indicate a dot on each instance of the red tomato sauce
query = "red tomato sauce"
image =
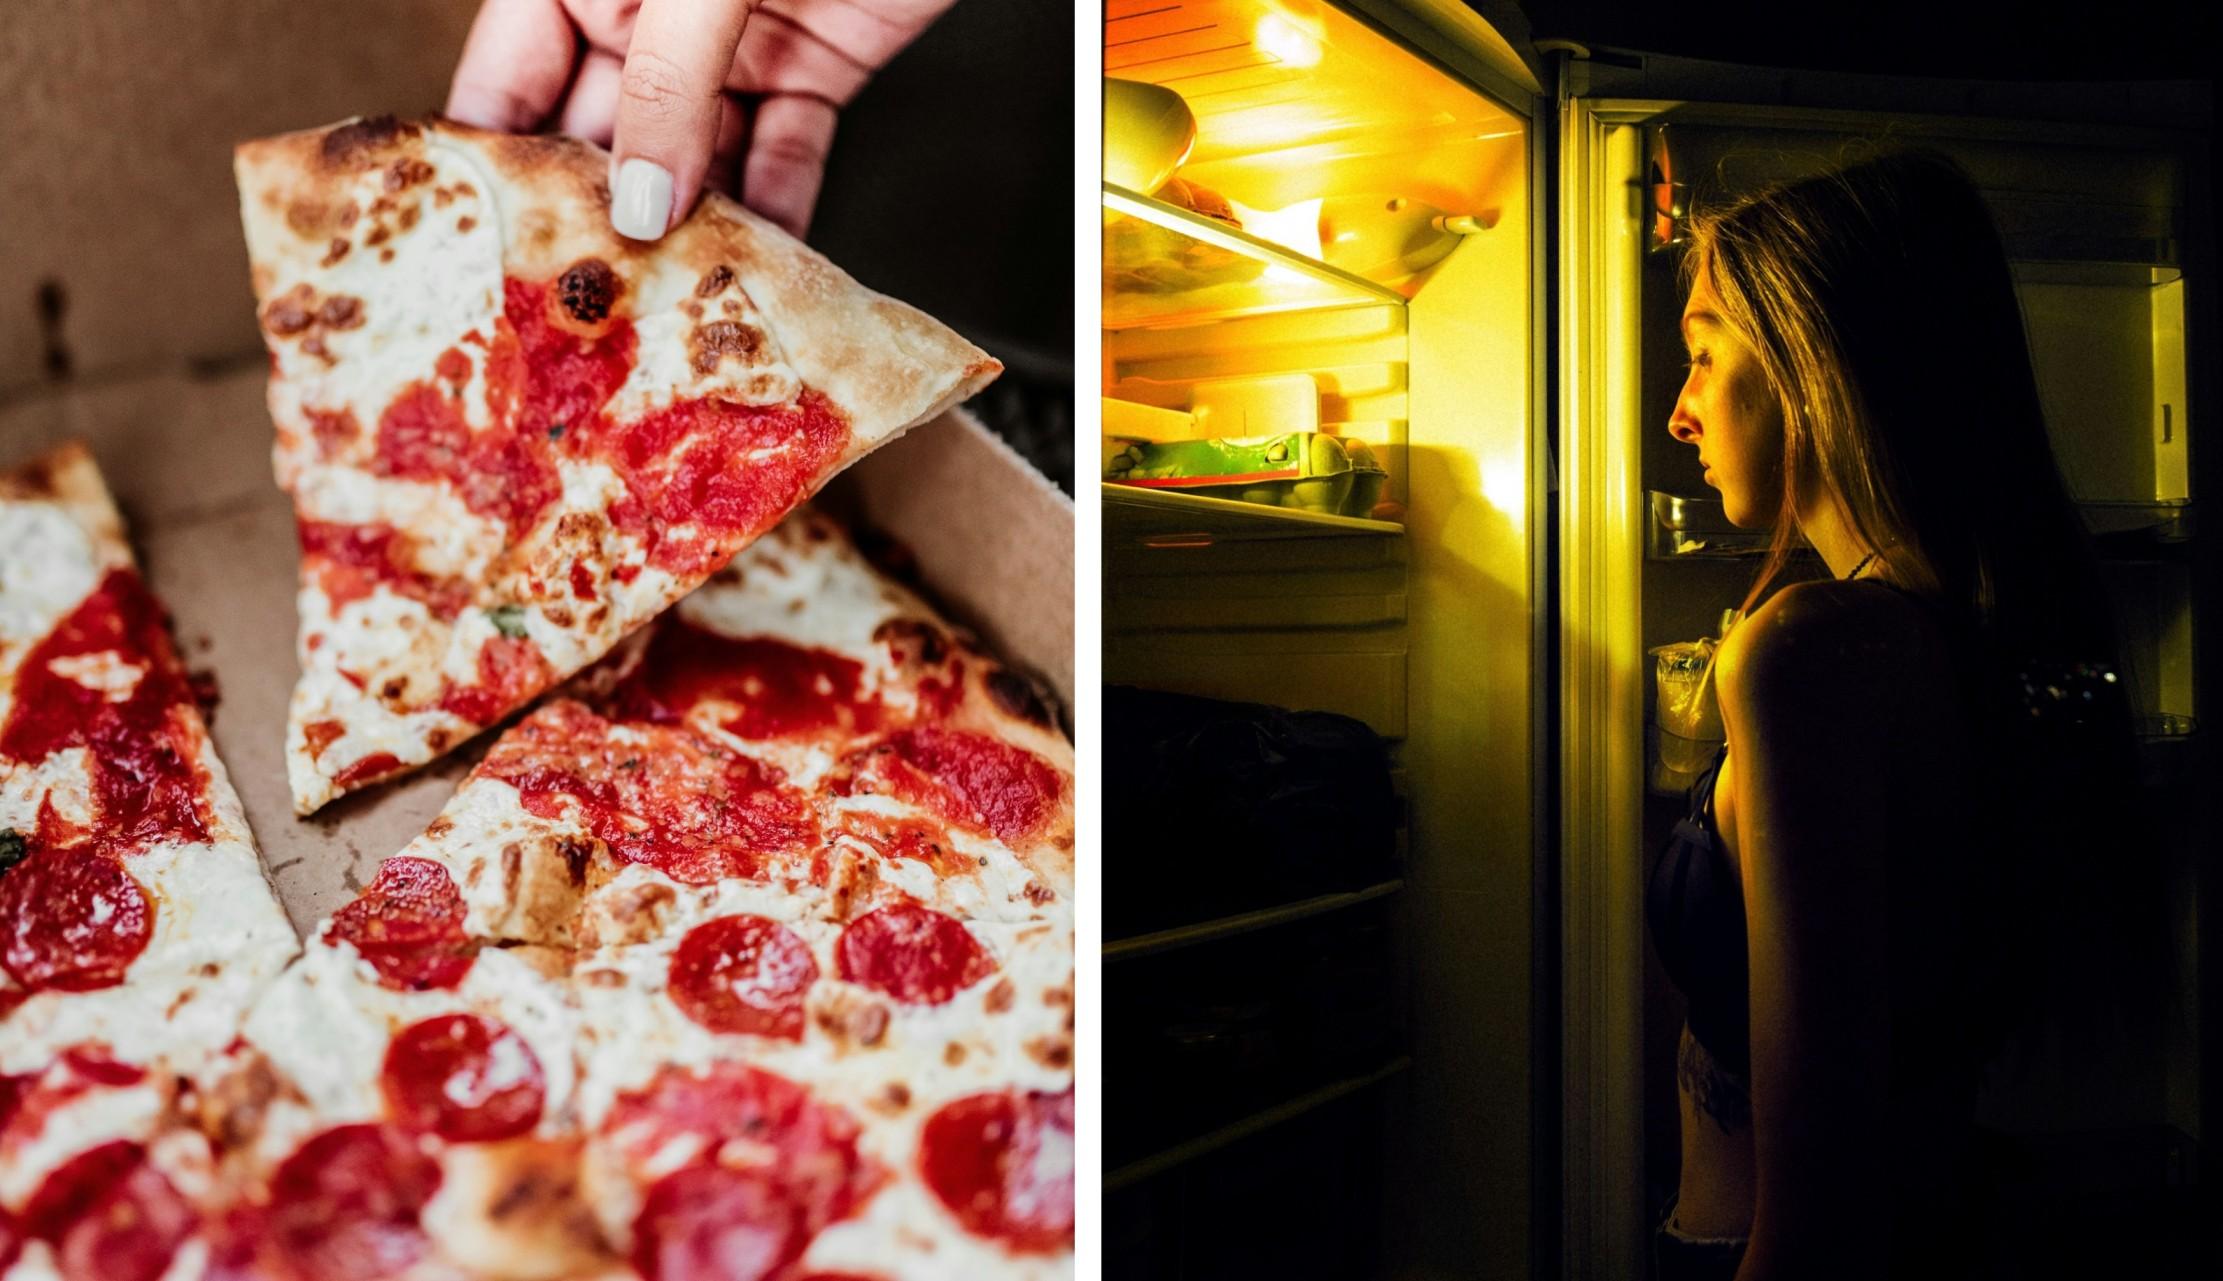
(350, 561)
(894, 838)
(147, 785)
(668, 798)
(729, 471)
(511, 670)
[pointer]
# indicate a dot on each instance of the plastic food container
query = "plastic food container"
(1299, 469)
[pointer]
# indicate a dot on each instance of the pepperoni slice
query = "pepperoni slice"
(345, 1206)
(72, 1189)
(409, 926)
(710, 1223)
(72, 920)
(779, 689)
(915, 954)
(1003, 1164)
(743, 974)
(130, 1232)
(744, 1117)
(978, 781)
(465, 1078)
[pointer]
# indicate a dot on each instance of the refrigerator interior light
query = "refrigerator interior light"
(1295, 228)
(1278, 34)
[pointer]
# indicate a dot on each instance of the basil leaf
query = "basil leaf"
(13, 849)
(555, 431)
(509, 620)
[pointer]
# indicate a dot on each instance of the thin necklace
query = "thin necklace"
(1861, 566)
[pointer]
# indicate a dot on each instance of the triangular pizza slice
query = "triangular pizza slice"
(512, 436)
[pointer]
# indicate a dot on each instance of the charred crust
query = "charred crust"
(911, 640)
(438, 828)
(288, 313)
(715, 341)
(351, 145)
(340, 311)
(335, 251)
(714, 281)
(1016, 696)
(1054, 1053)
(407, 172)
(576, 855)
(588, 290)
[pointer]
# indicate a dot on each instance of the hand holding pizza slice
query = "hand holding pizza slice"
(512, 436)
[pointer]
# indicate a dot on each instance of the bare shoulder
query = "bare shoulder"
(1838, 647)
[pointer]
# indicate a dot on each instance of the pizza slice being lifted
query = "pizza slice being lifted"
(513, 436)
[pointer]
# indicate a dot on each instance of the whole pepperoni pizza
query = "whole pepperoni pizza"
(512, 436)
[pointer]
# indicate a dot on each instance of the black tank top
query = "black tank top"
(1694, 904)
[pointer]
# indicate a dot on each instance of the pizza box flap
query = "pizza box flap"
(188, 459)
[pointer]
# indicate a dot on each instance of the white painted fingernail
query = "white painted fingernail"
(642, 201)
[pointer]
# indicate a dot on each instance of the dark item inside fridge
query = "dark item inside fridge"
(1237, 806)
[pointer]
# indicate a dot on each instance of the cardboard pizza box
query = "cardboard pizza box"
(188, 457)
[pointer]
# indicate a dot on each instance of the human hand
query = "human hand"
(685, 92)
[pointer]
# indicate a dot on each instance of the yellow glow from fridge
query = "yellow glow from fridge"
(1294, 227)
(1505, 488)
(1282, 38)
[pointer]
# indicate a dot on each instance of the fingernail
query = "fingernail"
(642, 202)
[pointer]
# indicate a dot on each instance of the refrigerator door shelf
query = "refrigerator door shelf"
(1682, 526)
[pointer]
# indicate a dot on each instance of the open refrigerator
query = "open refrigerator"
(1396, 228)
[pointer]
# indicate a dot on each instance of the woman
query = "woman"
(1854, 905)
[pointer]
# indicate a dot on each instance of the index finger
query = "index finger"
(670, 96)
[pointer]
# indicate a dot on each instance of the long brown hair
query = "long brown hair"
(1882, 309)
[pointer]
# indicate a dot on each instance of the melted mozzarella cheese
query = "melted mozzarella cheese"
(327, 1023)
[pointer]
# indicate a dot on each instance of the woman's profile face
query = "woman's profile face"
(1727, 411)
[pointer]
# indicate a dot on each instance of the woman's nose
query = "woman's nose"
(1681, 425)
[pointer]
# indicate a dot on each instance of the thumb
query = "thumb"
(669, 101)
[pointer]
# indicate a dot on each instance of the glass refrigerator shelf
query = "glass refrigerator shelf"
(1165, 266)
(1168, 519)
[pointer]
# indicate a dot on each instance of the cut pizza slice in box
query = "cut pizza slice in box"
(134, 913)
(136, 927)
(513, 436)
